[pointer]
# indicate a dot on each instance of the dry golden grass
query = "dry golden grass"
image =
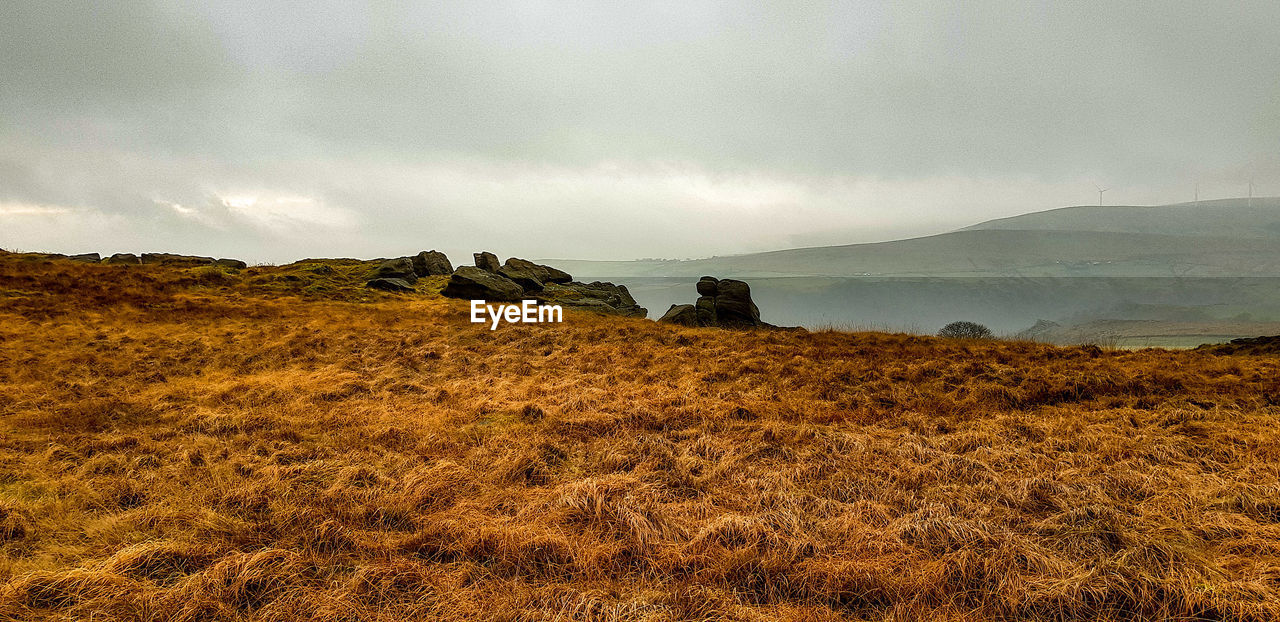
(184, 445)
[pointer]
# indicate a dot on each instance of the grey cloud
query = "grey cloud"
(368, 109)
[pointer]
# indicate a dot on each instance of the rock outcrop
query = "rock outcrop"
(519, 279)
(126, 259)
(171, 259)
(721, 302)
(390, 285)
(162, 259)
(597, 296)
(487, 261)
(476, 284)
(527, 274)
(708, 286)
(235, 264)
(733, 304)
(399, 268)
(684, 315)
(555, 275)
(432, 263)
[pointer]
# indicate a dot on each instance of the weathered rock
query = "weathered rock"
(708, 286)
(517, 263)
(519, 270)
(706, 307)
(555, 275)
(487, 261)
(171, 259)
(86, 257)
(722, 302)
(399, 268)
(432, 263)
(390, 285)
(122, 259)
(474, 283)
(734, 306)
(598, 296)
(684, 315)
(231, 263)
(529, 275)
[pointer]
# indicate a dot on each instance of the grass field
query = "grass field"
(280, 444)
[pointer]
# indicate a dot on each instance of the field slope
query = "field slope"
(279, 444)
(1227, 238)
(1221, 218)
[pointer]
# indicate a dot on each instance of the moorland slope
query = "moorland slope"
(1227, 238)
(1219, 218)
(279, 443)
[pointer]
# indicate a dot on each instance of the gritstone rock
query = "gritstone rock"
(476, 284)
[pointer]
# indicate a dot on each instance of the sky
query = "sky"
(272, 131)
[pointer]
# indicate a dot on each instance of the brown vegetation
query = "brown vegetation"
(177, 444)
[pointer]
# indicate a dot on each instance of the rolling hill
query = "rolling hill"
(1228, 218)
(1218, 238)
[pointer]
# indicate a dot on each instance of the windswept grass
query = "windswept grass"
(176, 445)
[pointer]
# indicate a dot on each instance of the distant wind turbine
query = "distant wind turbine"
(1100, 191)
(1197, 194)
(1250, 192)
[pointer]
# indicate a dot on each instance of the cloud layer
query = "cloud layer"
(274, 130)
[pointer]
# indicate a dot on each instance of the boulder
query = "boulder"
(527, 274)
(231, 263)
(86, 258)
(520, 270)
(613, 295)
(555, 275)
(390, 285)
(474, 283)
(684, 315)
(598, 296)
(432, 263)
(708, 286)
(171, 259)
(487, 261)
(400, 268)
(706, 307)
(734, 306)
(122, 259)
(721, 302)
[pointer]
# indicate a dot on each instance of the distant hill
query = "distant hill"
(1216, 238)
(1233, 218)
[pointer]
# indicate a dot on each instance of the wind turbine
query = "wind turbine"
(1250, 192)
(1100, 191)
(1197, 194)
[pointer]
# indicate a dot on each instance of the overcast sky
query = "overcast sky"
(272, 131)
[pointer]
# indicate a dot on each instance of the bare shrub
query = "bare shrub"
(965, 330)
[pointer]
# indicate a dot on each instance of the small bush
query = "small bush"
(213, 275)
(965, 330)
